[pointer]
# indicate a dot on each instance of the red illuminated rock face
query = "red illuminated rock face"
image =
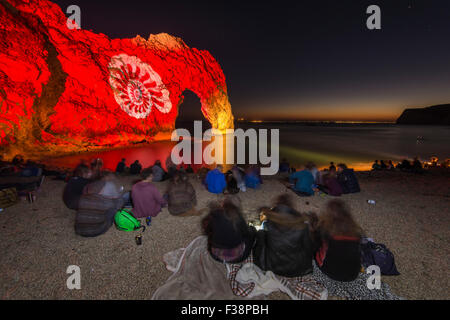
(65, 90)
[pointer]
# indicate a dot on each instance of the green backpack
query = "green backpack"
(125, 221)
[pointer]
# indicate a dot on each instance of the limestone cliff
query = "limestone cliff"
(64, 90)
(435, 115)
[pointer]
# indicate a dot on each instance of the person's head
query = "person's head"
(233, 209)
(82, 171)
(147, 176)
(123, 159)
(337, 220)
(230, 208)
(17, 160)
(341, 167)
(158, 163)
(284, 215)
(331, 163)
(219, 167)
(309, 165)
(179, 177)
(284, 199)
(97, 163)
(376, 161)
(329, 175)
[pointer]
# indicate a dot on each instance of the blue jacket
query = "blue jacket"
(215, 181)
(252, 181)
(304, 181)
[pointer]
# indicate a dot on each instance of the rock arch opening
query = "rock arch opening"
(190, 110)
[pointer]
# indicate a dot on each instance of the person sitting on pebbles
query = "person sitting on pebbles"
(215, 180)
(230, 239)
(338, 236)
(147, 200)
(284, 245)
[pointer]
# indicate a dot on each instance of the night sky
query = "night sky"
(305, 60)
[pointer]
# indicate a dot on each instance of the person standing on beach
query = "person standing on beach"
(147, 200)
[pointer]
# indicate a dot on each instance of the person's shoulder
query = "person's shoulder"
(139, 185)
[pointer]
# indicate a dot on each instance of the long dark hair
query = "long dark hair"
(337, 220)
(230, 208)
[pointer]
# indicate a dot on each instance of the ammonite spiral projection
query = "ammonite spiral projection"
(137, 87)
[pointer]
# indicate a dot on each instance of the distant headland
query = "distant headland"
(434, 115)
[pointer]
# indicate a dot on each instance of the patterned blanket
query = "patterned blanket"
(198, 276)
(248, 280)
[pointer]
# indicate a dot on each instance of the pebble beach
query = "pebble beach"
(411, 216)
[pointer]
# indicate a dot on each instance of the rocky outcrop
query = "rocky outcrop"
(435, 115)
(64, 90)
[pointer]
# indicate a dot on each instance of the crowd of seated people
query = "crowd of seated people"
(24, 176)
(290, 241)
(334, 182)
(96, 194)
(405, 165)
(233, 181)
(146, 201)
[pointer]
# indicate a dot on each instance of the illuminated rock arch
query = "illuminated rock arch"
(65, 90)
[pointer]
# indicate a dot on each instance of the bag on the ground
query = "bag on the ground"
(125, 221)
(378, 254)
(8, 197)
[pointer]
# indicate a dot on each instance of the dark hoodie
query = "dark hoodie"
(285, 246)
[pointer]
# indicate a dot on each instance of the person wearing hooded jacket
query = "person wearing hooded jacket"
(98, 205)
(215, 180)
(284, 246)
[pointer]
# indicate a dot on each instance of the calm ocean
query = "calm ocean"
(357, 145)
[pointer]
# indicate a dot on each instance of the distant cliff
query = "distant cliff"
(435, 115)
